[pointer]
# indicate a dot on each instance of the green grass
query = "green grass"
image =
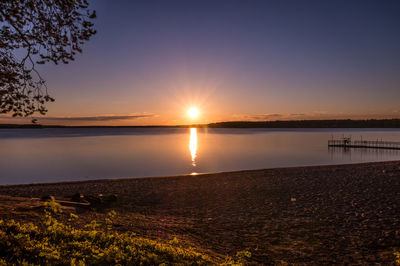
(396, 253)
(54, 243)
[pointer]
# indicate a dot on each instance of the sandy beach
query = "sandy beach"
(303, 215)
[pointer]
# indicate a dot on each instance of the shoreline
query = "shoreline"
(393, 122)
(335, 214)
(244, 171)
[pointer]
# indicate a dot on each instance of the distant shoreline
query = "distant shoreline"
(340, 123)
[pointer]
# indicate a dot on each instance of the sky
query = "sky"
(150, 61)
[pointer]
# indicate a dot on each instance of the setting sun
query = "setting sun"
(193, 112)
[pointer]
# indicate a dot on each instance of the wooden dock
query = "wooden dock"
(378, 144)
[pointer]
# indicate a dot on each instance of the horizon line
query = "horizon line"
(203, 125)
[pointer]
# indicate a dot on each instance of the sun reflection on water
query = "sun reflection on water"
(193, 145)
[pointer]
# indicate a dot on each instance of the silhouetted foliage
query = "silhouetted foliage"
(371, 123)
(36, 32)
(347, 123)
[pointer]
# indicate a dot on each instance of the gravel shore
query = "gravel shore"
(304, 215)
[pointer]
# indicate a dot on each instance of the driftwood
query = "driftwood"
(74, 204)
(86, 202)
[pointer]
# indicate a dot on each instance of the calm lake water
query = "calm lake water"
(51, 155)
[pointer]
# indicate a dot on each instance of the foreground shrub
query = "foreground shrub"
(397, 256)
(55, 243)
